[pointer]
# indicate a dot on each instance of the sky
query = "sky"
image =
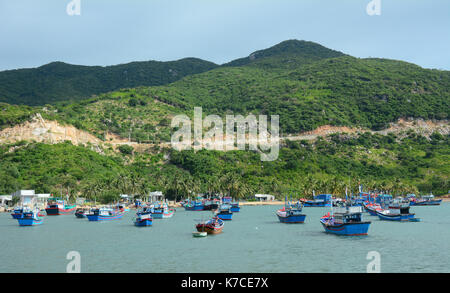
(108, 32)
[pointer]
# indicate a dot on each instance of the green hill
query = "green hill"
(290, 51)
(59, 81)
(305, 83)
(390, 163)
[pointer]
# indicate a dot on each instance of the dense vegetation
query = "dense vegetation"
(397, 165)
(12, 114)
(305, 83)
(59, 81)
(340, 91)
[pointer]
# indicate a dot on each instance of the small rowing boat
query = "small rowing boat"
(199, 234)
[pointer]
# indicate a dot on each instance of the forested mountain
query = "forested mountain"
(60, 81)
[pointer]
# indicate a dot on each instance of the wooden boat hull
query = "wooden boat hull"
(225, 216)
(16, 215)
(194, 208)
(58, 211)
(370, 210)
(235, 208)
(427, 203)
(297, 219)
(397, 217)
(316, 204)
(347, 229)
(208, 229)
(164, 215)
(143, 223)
(30, 222)
(96, 218)
(80, 215)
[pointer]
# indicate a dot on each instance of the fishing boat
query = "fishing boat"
(162, 211)
(143, 218)
(321, 200)
(224, 212)
(194, 206)
(397, 213)
(345, 221)
(291, 213)
(30, 218)
(18, 212)
(105, 214)
(80, 213)
(213, 226)
(235, 208)
(372, 208)
(426, 200)
(199, 234)
(59, 207)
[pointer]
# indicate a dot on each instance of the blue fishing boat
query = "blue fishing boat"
(321, 200)
(426, 200)
(161, 211)
(345, 221)
(235, 208)
(143, 218)
(291, 213)
(224, 212)
(18, 212)
(105, 214)
(194, 206)
(397, 213)
(372, 208)
(30, 218)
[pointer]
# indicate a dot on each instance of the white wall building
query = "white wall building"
(264, 197)
(30, 198)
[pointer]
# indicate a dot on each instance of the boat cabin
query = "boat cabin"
(352, 214)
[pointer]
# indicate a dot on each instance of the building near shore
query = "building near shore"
(5, 200)
(30, 198)
(264, 197)
(156, 196)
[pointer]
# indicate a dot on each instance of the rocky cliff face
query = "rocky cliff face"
(51, 132)
(46, 131)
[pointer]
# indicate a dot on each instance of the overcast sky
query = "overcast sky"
(107, 32)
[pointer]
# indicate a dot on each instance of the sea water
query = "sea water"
(254, 241)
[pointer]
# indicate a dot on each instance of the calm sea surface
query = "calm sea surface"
(254, 241)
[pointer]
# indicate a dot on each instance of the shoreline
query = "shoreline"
(245, 203)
